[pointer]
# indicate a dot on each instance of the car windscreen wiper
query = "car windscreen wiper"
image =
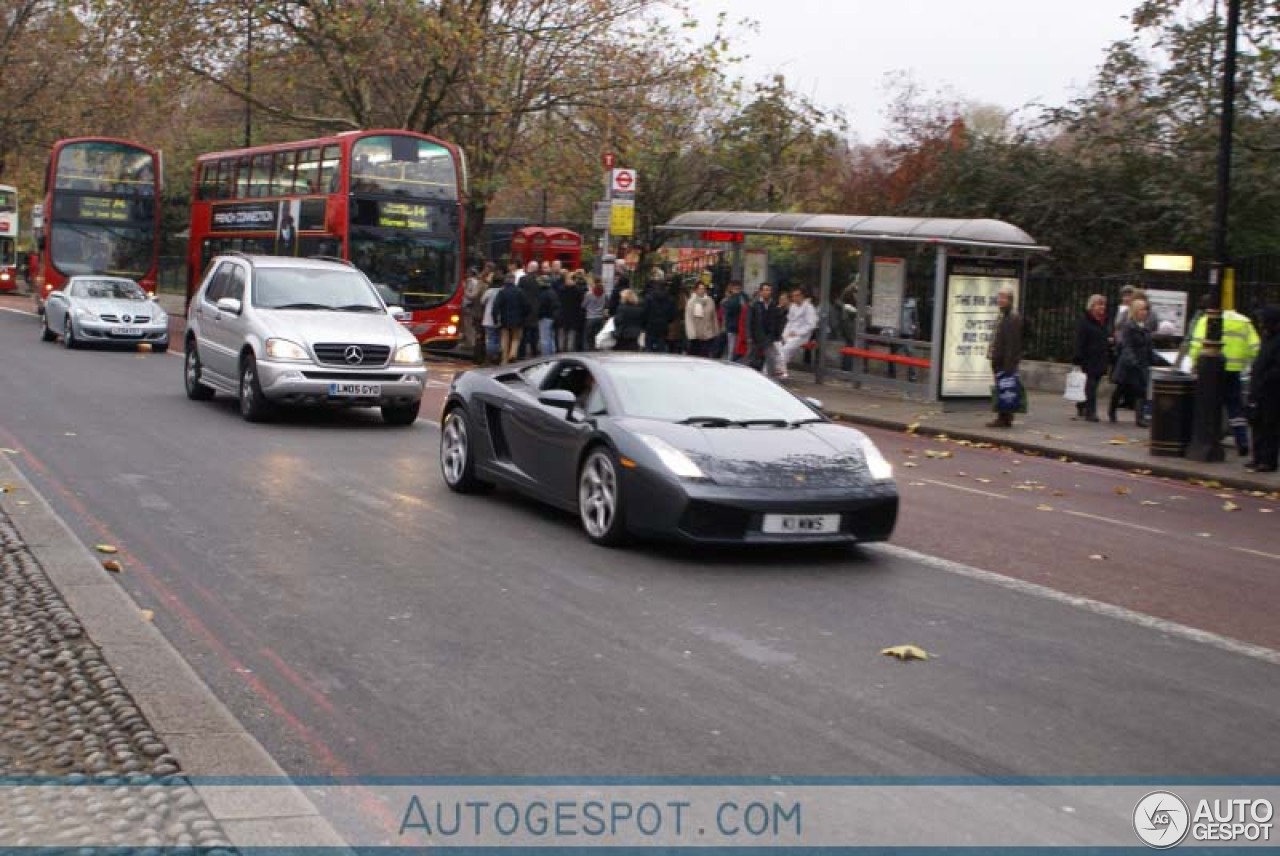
(358, 307)
(810, 421)
(708, 421)
(763, 423)
(301, 306)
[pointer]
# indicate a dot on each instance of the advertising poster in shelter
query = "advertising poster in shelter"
(1169, 306)
(888, 282)
(755, 270)
(969, 322)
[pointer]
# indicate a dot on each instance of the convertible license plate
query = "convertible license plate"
(800, 524)
(126, 331)
(355, 390)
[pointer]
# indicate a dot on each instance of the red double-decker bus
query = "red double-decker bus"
(390, 202)
(101, 213)
(8, 237)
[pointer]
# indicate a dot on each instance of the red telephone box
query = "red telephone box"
(547, 244)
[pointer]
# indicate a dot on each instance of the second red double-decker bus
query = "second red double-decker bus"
(388, 201)
(101, 213)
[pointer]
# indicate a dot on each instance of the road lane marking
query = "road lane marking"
(1097, 607)
(965, 489)
(18, 311)
(1256, 553)
(1111, 521)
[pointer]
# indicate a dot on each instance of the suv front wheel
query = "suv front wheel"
(401, 414)
(254, 406)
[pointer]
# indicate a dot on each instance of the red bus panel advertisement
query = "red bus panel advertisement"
(390, 202)
(101, 213)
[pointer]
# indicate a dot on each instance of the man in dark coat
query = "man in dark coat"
(764, 327)
(1264, 396)
(1092, 354)
(1006, 347)
(510, 313)
(659, 312)
(529, 288)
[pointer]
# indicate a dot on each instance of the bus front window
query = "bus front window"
(420, 271)
(82, 248)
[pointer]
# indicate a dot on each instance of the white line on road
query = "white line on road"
(18, 311)
(965, 489)
(1111, 521)
(1140, 619)
(1256, 553)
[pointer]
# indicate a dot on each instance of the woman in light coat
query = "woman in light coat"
(701, 324)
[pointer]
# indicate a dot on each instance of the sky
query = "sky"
(1003, 52)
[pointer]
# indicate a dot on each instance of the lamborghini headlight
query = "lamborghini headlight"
(672, 458)
(877, 464)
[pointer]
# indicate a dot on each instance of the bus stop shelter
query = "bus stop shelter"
(973, 260)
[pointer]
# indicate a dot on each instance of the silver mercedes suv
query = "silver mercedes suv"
(289, 331)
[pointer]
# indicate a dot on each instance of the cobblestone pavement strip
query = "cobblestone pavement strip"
(66, 719)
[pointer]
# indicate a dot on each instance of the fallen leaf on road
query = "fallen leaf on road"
(9, 451)
(7, 488)
(1058, 493)
(1260, 510)
(911, 429)
(69, 434)
(1121, 490)
(962, 475)
(1064, 459)
(1230, 506)
(1258, 493)
(1141, 472)
(1044, 508)
(1053, 437)
(1204, 535)
(1149, 502)
(983, 481)
(148, 615)
(106, 548)
(1205, 483)
(1098, 557)
(942, 437)
(1118, 441)
(933, 453)
(1006, 472)
(906, 652)
(1178, 498)
(113, 566)
(910, 464)
(1023, 487)
(24, 502)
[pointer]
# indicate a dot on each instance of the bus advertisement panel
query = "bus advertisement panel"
(389, 202)
(101, 213)
(8, 237)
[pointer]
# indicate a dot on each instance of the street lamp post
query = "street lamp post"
(248, 75)
(1206, 438)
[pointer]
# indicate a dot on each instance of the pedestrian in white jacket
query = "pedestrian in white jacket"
(701, 325)
(802, 320)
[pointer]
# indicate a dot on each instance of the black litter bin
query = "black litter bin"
(1172, 410)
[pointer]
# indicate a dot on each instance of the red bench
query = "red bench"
(917, 362)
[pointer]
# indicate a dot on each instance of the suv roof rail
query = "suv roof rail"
(337, 259)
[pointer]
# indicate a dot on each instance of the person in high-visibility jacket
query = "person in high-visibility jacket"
(1240, 345)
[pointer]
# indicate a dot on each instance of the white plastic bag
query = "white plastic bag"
(1074, 391)
(606, 339)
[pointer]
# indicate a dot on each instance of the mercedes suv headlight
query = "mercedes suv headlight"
(877, 464)
(409, 355)
(672, 458)
(283, 349)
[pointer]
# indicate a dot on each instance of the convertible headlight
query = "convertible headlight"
(85, 315)
(283, 349)
(672, 458)
(877, 464)
(409, 355)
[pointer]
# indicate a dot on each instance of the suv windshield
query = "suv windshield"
(311, 288)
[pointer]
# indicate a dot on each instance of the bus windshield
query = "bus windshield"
(419, 270)
(103, 167)
(403, 166)
(94, 248)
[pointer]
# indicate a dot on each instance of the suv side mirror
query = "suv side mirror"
(229, 304)
(398, 313)
(815, 403)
